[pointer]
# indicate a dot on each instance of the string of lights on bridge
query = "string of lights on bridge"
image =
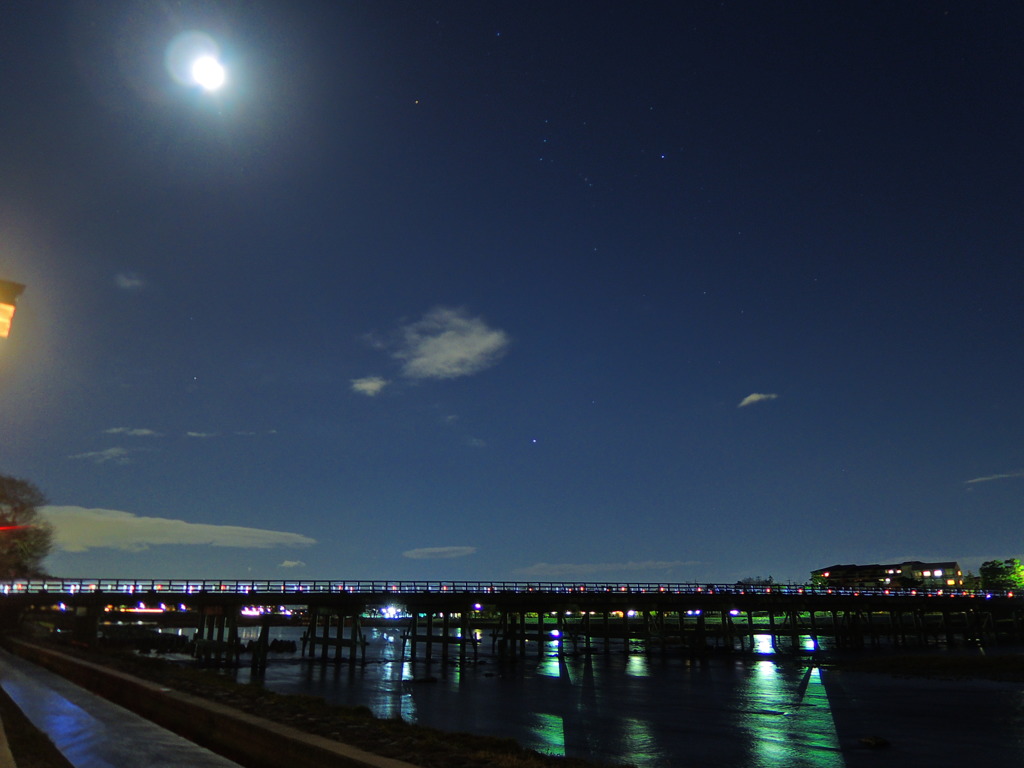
(376, 588)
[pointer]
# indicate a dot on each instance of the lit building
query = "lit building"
(911, 574)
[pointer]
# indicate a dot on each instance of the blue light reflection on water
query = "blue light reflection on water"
(656, 710)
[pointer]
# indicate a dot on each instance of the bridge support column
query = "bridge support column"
(325, 639)
(560, 627)
(85, 625)
(356, 638)
(430, 637)
(625, 632)
(259, 650)
(414, 631)
(446, 628)
(465, 634)
(837, 630)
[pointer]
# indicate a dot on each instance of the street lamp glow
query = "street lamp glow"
(9, 293)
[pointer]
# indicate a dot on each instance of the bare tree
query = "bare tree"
(25, 538)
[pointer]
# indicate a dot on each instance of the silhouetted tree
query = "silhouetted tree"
(972, 581)
(907, 582)
(756, 581)
(1002, 574)
(25, 538)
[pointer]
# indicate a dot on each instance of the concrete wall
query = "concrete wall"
(252, 741)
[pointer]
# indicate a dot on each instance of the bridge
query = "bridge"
(691, 617)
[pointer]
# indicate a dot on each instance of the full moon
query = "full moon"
(208, 73)
(193, 59)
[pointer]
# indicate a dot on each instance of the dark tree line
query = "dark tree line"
(999, 575)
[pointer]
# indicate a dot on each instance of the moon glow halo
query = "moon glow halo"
(193, 58)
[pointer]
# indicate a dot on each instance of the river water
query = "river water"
(655, 710)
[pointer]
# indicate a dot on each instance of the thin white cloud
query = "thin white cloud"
(438, 553)
(129, 281)
(202, 435)
(1004, 476)
(78, 529)
(561, 570)
(292, 564)
(447, 344)
(369, 385)
(756, 397)
(109, 455)
(132, 432)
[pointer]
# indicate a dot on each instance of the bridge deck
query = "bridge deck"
(470, 588)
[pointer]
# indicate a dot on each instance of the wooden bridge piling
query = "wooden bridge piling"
(695, 618)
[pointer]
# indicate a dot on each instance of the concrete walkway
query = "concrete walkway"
(92, 732)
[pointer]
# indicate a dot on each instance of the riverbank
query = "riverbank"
(1006, 667)
(352, 726)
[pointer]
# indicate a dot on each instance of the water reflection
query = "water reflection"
(636, 666)
(638, 739)
(787, 719)
(662, 710)
(552, 665)
(550, 731)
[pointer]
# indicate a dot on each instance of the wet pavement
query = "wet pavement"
(90, 731)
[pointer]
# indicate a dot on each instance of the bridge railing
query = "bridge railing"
(481, 588)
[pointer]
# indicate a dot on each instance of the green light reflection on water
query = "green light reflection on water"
(550, 731)
(550, 666)
(637, 666)
(790, 726)
(639, 740)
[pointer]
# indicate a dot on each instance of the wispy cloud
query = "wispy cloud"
(292, 564)
(447, 343)
(107, 456)
(369, 385)
(132, 432)
(78, 529)
(1004, 476)
(756, 397)
(202, 435)
(560, 570)
(438, 553)
(129, 281)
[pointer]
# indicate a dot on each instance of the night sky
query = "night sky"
(590, 291)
